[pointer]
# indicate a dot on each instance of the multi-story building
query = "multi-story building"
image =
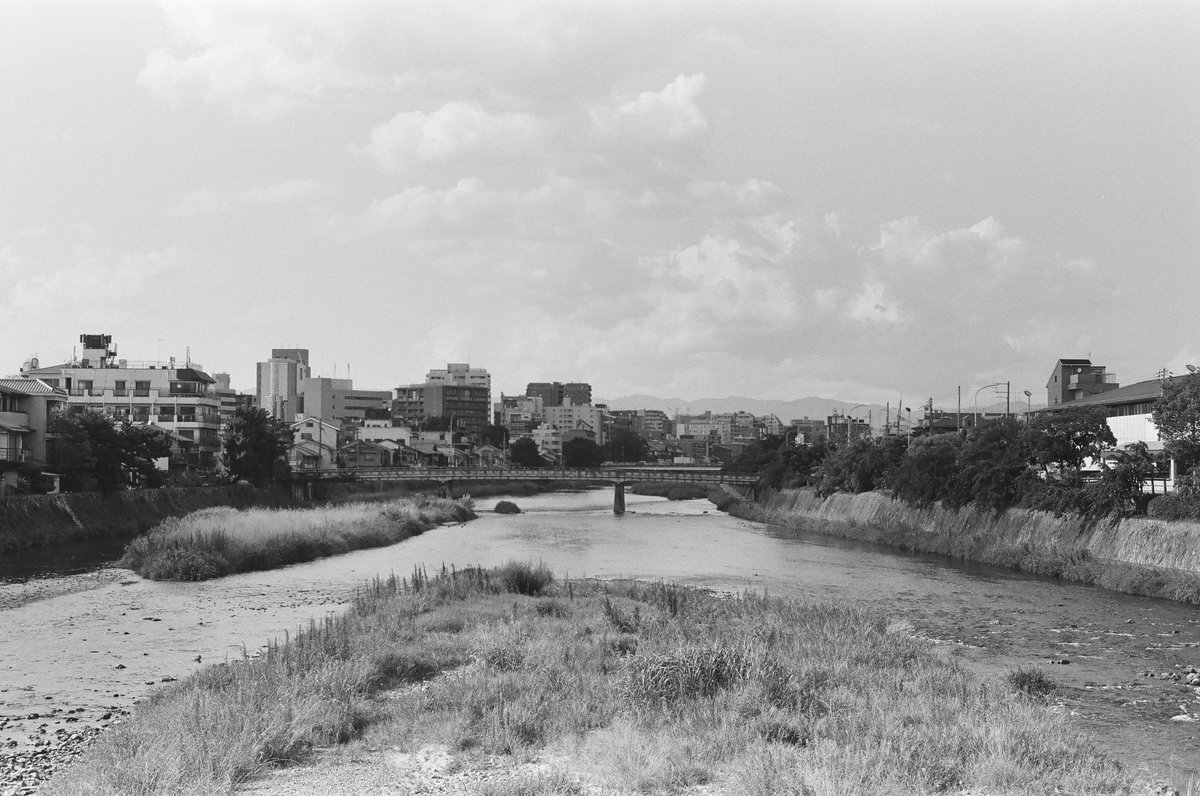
(1073, 379)
(577, 421)
(549, 440)
(771, 426)
(843, 427)
(179, 399)
(231, 400)
(519, 413)
(707, 425)
(555, 393)
(466, 406)
(26, 406)
(808, 431)
(279, 381)
(461, 374)
(338, 400)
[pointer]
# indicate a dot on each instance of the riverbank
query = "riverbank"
(1153, 558)
(217, 542)
(45, 520)
(511, 685)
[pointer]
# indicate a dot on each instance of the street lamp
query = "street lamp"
(1028, 405)
(981, 389)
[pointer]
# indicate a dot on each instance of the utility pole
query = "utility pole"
(1007, 399)
(958, 414)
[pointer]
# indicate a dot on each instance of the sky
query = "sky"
(854, 200)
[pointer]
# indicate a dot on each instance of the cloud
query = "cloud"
(250, 58)
(670, 114)
(870, 306)
(454, 129)
(288, 192)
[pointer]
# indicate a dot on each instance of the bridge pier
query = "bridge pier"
(619, 497)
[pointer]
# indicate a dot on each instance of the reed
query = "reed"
(740, 695)
(215, 542)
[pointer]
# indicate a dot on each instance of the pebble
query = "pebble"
(23, 772)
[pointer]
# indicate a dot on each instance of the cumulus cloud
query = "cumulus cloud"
(454, 129)
(243, 58)
(671, 113)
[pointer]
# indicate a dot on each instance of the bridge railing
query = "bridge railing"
(605, 474)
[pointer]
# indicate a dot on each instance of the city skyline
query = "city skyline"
(848, 201)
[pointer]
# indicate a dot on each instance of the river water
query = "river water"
(98, 650)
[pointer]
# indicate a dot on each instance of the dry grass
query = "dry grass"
(746, 695)
(220, 541)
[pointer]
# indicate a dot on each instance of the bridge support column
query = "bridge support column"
(618, 498)
(448, 489)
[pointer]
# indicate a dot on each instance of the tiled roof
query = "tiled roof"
(27, 386)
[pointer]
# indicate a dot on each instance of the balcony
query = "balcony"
(14, 455)
(89, 392)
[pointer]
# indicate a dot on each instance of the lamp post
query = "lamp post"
(1028, 405)
(981, 389)
(847, 414)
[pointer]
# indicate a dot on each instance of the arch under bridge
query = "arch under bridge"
(448, 477)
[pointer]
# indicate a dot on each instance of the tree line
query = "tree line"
(1036, 464)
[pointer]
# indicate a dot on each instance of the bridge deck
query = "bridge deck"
(612, 475)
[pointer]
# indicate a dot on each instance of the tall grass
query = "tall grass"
(220, 541)
(747, 694)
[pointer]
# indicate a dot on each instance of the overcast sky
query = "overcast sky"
(693, 199)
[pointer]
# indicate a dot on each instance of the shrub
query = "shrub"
(507, 507)
(1175, 507)
(523, 577)
(1031, 682)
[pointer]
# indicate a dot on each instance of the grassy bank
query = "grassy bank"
(221, 541)
(636, 688)
(42, 520)
(1119, 556)
(672, 491)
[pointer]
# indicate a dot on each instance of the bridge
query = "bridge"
(619, 477)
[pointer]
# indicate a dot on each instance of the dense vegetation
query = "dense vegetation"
(1036, 464)
(626, 688)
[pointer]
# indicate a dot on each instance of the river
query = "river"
(99, 650)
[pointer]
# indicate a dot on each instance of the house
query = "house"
(314, 444)
(26, 406)
(361, 453)
(1075, 379)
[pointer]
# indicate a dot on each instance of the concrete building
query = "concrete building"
(549, 440)
(461, 374)
(719, 428)
(808, 431)
(519, 413)
(278, 382)
(1075, 379)
(577, 421)
(230, 400)
(466, 406)
(179, 399)
(337, 400)
(26, 406)
(555, 393)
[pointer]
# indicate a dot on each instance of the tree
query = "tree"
(989, 466)
(928, 469)
(254, 448)
(93, 451)
(1177, 415)
(524, 452)
(1065, 438)
(626, 446)
(581, 452)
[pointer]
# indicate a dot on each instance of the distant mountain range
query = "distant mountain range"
(812, 407)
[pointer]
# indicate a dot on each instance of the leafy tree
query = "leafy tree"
(926, 473)
(580, 452)
(1177, 415)
(524, 452)
(254, 447)
(860, 466)
(495, 435)
(1119, 489)
(626, 446)
(989, 466)
(93, 452)
(1065, 438)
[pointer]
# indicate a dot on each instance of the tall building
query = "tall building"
(461, 374)
(518, 413)
(278, 382)
(466, 406)
(555, 393)
(337, 400)
(179, 399)
(230, 399)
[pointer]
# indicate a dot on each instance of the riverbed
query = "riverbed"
(93, 644)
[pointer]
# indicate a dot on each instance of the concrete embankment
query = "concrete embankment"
(1136, 555)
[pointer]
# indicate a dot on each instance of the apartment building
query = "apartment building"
(26, 406)
(337, 400)
(179, 399)
(553, 393)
